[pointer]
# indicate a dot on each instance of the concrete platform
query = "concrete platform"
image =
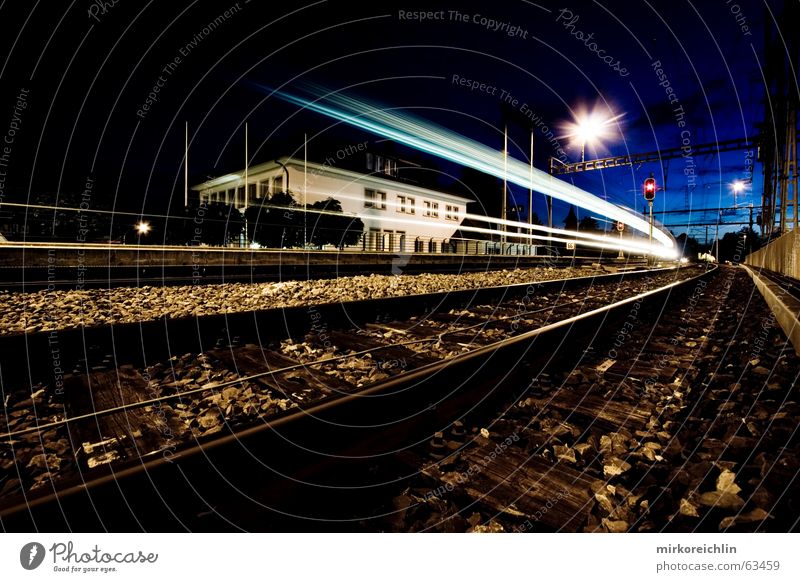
(785, 307)
(85, 266)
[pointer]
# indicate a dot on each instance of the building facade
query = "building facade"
(397, 216)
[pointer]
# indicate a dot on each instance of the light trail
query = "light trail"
(449, 145)
(578, 237)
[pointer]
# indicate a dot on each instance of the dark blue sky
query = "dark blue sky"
(90, 74)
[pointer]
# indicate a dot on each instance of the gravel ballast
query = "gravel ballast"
(64, 309)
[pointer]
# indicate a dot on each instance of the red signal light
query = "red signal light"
(650, 189)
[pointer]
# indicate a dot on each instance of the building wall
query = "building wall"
(394, 218)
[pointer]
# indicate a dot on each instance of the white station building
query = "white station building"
(396, 216)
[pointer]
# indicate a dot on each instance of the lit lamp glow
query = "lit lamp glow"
(590, 127)
(738, 187)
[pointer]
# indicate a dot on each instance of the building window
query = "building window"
(277, 184)
(431, 209)
(263, 189)
(405, 204)
(381, 165)
(239, 197)
(374, 199)
(451, 212)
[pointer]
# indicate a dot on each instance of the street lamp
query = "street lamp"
(590, 127)
(738, 187)
(141, 228)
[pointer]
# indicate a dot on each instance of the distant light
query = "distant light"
(737, 186)
(684, 260)
(255, 245)
(143, 227)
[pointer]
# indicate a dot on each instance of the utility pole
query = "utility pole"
(503, 210)
(246, 187)
(305, 190)
(186, 167)
(530, 195)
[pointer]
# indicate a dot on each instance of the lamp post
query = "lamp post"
(503, 206)
(738, 187)
(589, 127)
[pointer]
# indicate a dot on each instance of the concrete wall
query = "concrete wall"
(781, 255)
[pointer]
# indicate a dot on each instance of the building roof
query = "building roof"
(376, 180)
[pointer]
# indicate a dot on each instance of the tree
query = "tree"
(328, 229)
(571, 220)
(275, 223)
(588, 223)
(212, 223)
(687, 246)
(734, 246)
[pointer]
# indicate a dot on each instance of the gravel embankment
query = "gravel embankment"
(692, 428)
(55, 310)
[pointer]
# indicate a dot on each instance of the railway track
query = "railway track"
(269, 394)
(682, 419)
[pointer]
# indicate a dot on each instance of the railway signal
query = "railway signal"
(650, 189)
(650, 195)
(620, 228)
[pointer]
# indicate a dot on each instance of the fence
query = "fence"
(392, 243)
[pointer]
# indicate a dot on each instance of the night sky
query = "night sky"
(86, 69)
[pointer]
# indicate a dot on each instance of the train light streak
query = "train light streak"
(449, 145)
(578, 237)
